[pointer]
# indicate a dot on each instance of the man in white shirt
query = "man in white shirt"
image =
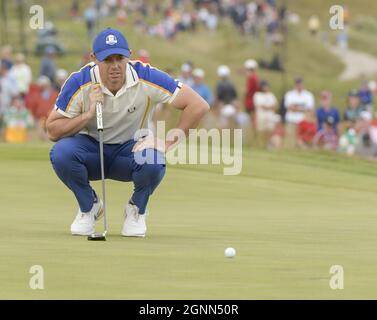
(8, 88)
(296, 102)
(21, 72)
(129, 91)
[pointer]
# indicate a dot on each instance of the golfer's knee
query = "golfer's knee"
(149, 156)
(149, 175)
(154, 172)
(61, 154)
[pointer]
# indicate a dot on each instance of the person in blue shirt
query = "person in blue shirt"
(202, 89)
(365, 95)
(327, 112)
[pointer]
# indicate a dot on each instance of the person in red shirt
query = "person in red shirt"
(306, 130)
(252, 85)
(143, 56)
(42, 104)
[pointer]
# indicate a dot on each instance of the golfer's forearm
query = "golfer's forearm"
(65, 127)
(191, 116)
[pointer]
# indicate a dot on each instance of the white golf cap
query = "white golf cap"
(198, 73)
(251, 64)
(61, 74)
(186, 67)
(366, 115)
(43, 80)
(228, 110)
(223, 71)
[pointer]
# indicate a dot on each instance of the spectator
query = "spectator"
(364, 123)
(313, 25)
(226, 104)
(74, 11)
(61, 77)
(17, 121)
(372, 85)
(143, 56)
(42, 104)
(327, 112)
(47, 38)
(252, 85)
(296, 102)
(373, 131)
(226, 92)
(273, 36)
(122, 17)
(90, 17)
(48, 67)
(365, 147)
(348, 140)
(278, 134)
(366, 97)
(6, 56)
(21, 72)
(212, 21)
(326, 138)
(353, 110)
(200, 87)
(306, 130)
(8, 88)
(85, 59)
(342, 40)
(266, 105)
(186, 74)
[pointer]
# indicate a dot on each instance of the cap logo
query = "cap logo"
(111, 40)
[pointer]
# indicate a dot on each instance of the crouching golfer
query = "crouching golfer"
(129, 90)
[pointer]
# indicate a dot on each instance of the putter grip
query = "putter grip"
(99, 115)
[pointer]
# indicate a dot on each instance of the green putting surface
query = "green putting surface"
(289, 215)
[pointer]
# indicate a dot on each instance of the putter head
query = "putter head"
(97, 237)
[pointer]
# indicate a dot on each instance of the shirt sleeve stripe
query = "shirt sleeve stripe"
(174, 94)
(76, 93)
(90, 64)
(63, 112)
(156, 86)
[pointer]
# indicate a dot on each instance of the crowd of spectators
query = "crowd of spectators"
(252, 18)
(300, 123)
(25, 104)
(297, 122)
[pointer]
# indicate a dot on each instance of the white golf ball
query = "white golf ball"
(230, 252)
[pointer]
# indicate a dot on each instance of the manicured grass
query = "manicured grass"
(290, 216)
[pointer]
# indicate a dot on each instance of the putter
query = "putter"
(101, 236)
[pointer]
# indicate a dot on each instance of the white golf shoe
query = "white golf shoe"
(134, 223)
(84, 223)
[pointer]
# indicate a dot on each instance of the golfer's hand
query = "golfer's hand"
(149, 142)
(95, 95)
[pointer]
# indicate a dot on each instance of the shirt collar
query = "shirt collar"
(131, 79)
